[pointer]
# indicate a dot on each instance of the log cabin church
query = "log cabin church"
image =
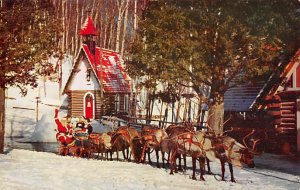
(98, 84)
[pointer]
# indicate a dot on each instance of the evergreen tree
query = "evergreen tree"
(27, 39)
(216, 43)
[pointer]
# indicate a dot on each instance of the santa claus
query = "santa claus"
(64, 132)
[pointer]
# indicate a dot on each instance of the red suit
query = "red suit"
(64, 134)
(64, 138)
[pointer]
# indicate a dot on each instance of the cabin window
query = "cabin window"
(88, 74)
(117, 103)
(126, 103)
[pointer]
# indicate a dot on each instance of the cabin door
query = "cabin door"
(89, 106)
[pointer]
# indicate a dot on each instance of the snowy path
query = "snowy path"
(23, 169)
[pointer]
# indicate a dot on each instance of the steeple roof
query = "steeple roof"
(88, 28)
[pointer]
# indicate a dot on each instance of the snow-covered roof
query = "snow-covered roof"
(241, 97)
(113, 75)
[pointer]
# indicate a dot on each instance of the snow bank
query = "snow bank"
(44, 131)
(21, 169)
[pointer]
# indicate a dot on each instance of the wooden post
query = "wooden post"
(2, 119)
(37, 109)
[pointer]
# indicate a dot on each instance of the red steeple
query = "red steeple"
(88, 28)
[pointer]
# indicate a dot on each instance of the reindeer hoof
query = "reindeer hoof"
(202, 179)
(194, 178)
(171, 173)
(233, 181)
(209, 173)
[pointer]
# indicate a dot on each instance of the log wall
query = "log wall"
(102, 107)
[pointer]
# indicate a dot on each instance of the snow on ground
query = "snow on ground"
(23, 169)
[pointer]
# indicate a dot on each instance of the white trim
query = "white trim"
(85, 105)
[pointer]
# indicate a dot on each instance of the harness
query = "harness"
(124, 133)
(230, 149)
(188, 138)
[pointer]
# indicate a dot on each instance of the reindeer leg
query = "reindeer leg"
(202, 165)
(175, 167)
(111, 153)
(163, 159)
(208, 167)
(143, 154)
(173, 162)
(231, 172)
(129, 157)
(179, 162)
(194, 167)
(168, 161)
(149, 158)
(107, 155)
(184, 162)
(123, 152)
(157, 158)
(127, 154)
(223, 169)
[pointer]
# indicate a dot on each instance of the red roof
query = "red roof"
(88, 27)
(113, 76)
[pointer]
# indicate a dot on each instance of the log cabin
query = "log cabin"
(98, 84)
(278, 103)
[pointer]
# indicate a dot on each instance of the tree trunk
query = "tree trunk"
(135, 19)
(76, 29)
(119, 24)
(216, 117)
(63, 26)
(124, 28)
(2, 119)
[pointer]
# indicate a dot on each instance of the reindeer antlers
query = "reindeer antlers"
(248, 136)
(231, 129)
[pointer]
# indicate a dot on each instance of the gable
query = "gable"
(77, 79)
(290, 77)
(80, 79)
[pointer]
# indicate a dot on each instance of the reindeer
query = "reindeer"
(133, 138)
(173, 132)
(169, 146)
(119, 143)
(229, 150)
(100, 143)
(151, 137)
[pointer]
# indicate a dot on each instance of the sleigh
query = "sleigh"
(81, 147)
